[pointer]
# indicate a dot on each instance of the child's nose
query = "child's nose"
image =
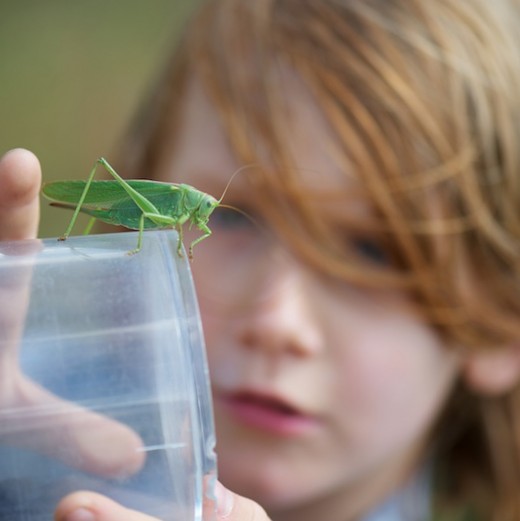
(285, 320)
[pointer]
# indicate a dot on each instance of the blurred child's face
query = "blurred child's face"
(323, 390)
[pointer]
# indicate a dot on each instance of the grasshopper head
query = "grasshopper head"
(207, 204)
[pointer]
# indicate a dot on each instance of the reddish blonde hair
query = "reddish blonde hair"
(423, 98)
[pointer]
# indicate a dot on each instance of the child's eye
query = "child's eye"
(371, 250)
(230, 218)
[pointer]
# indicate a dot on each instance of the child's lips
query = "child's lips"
(268, 412)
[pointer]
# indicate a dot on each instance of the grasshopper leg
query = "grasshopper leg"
(80, 203)
(137, 249)
(180, 238)
(206, 233)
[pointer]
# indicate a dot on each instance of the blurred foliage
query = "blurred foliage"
(71, 74)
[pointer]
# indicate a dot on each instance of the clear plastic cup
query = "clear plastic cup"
(103, 377)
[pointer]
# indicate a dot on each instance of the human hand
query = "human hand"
(88, 506)
(20, 178)
(72, 434)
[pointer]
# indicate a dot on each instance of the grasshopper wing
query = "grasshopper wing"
(108, 201)
(103, 193)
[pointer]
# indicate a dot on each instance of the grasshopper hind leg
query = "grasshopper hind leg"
(80, 202)
(139, 245)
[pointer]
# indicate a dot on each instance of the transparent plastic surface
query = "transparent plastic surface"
(103, 377)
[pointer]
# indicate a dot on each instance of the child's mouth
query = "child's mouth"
(268, 413)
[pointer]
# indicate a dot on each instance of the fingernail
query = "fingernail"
(224, 500)
(80, 514)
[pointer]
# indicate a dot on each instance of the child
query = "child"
(361, 318)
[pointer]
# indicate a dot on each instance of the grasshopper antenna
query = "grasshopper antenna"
(241, 212)
(242, 168)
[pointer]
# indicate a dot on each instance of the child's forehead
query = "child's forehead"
(308, 141)
(202, 156)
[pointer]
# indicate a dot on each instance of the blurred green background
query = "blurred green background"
(71, 75)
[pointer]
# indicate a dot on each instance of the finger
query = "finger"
(72, 434)
(232, 507)
(20, 179)
(89, 506)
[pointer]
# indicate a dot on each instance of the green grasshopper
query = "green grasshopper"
(137, 204)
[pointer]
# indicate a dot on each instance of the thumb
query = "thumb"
(20, 177)
(232, 507)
